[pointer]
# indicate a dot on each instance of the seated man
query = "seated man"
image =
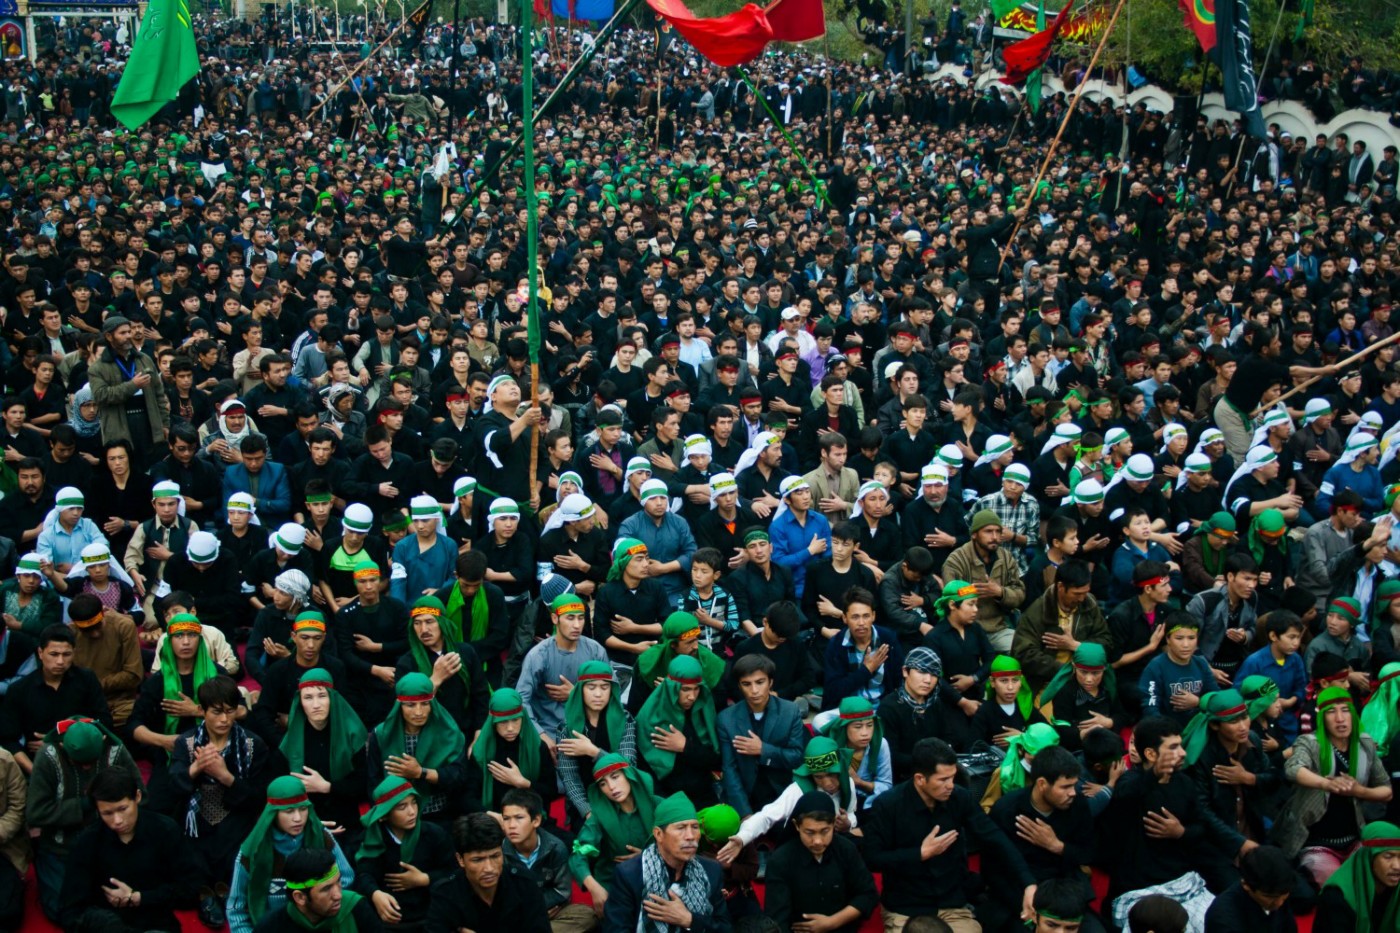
(55, 691)
(645, 887)
(760, 739)
(819, 876)
(71, 758)
(315, 900)
(1236, 779)
(485, 895)
(1361, 896)
(402, 855)
(119, 875)
(108, 645)
(1256, 901)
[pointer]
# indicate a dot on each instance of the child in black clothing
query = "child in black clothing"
(1008, 710)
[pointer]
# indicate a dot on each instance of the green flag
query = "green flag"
(162, 59)
(1305, 19)
(1001, 7)
(1033, 83)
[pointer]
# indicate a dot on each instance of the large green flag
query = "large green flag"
(1033, 83)
(162, 59)
(1001, 7)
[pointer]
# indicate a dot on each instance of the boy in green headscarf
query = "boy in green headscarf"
(401, 854)
(288, 823)
(859, 734)
(326, 737)
(677, 734)
(1008, 710)
(420, 742)
(680, 635)
(1083, 695)
(1344, 614)
(508, 753)
(1237, 779)
(621, 815)
(1363, 895)
(436, 649)
(594, 724)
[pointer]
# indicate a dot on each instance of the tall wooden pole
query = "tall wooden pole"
(532, 224)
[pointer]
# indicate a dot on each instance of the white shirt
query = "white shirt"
(778, 812)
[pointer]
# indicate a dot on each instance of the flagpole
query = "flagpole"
(1069, 113)
(532, 225)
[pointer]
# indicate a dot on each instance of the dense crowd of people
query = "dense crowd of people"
(868, 515)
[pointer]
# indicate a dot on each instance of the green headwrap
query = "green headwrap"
(439, 742)
(1386, 594)
(663, 709)
(718, 823)
(1335, 696)
(347, 733)
(506, 704)
(82, 739)
(852, 710)
(257, 852)
(1221, 706)
(1381, 717)
(1259, 693)
(204, 668)
(1090, 655)
(1357, 881)
(821, 756)
(1005, 665)
(676, 808)
(622, 553)
(954, 591)
(1030, 743)
(613, 716)
(657, 659)
(391, 792)
(1269, 521)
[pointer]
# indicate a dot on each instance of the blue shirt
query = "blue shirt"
(424, 571)
(791, 540)
(1367, 483)
(58, 545)
(1291, 677)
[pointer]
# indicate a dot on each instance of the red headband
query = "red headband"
(392, 793)
(501, 713)
(1088, 667)
(606, 677)
(1389, 677)
(1150, 581)
(315, 683)
(604, 772)
(1341, 608)
(685, 681)
(286, 801)
(869, 714)
(1380, 844)
(416, 699)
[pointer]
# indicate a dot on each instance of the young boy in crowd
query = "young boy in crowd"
(708, 601)
(1279, 661)
(1174, 681)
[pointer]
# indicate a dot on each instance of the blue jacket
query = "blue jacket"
(274, 492)
(783, 738)
(790, 541)
(1291, 677)
(1367, 483)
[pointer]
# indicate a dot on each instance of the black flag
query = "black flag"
(1235, 47)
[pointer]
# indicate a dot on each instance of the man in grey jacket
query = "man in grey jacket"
(1324, 542)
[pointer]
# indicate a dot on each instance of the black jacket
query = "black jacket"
(798, 884)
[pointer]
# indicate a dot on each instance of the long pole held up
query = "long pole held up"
(1064, 124)
(532, 224)
(1343, 365)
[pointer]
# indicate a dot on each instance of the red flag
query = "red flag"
(542, 11)
(1030, 53)
(741, 36)
(1200, 19)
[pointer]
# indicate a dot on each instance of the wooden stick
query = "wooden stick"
(1342, 366)
(1064, 124)
(330, 95)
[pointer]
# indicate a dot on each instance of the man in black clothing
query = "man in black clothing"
(984, 254)
(931, 522)
(119, 875)
(1163, 829)
(381, 875)
(315, 900)
(56, 690)
(819, 874)
(759, 583)
(488, 894)
(1256, 902)
(199, 480)
(22, 512)
(381, 477)
(503, 465)
(916, 834)
(272, 402)
(1051, 826)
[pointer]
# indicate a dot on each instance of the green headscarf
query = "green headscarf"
(1259, 694)
(1221, 706)
(1217, 527)
(622, 553)
(82, 739)
(1005, 665)
(347, 733)
(613, 716)
(821, 756)
(389, 794)
(451, 631)
(439, 742)
(1334, 696)
(656, 659)
(1089, 656)
(1386, 593)
(257, 852)
(204, 669)
(1030, 743)
(1381, 717)
(718, 823)
(663, 708)
(506, 704)
(676, 808)
(1357, 881)
(1271, 521)
(479, 614)
(954, 591)
(606, 814)
(852, 710)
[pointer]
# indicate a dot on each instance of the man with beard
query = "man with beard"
(129, 392)
(668, 885)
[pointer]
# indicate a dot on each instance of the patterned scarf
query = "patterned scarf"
(657, 879)
(242, 748)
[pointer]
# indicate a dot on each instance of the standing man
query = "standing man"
(503, 465)
(129, 392)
